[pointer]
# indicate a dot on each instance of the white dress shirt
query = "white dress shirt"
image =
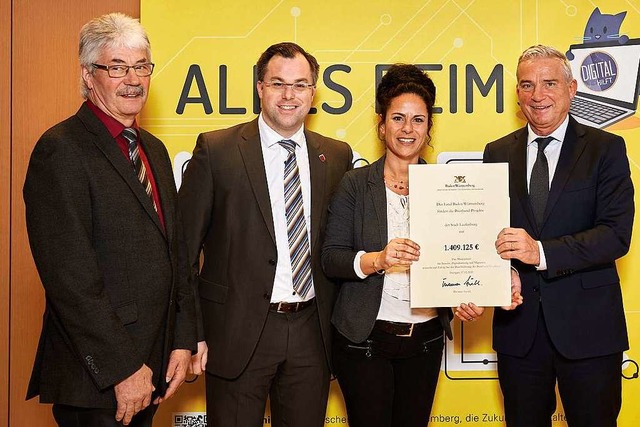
(395, 305)
(552, 152)
(274, 156)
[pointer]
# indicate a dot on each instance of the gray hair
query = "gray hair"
(109, 31)
(547, 52)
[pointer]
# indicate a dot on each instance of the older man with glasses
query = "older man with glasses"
(119, 324)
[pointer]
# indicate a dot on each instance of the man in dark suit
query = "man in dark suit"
(254, 199)
(101, 209)
(571, 218)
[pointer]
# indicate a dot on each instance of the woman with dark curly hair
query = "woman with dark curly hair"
(386, 355)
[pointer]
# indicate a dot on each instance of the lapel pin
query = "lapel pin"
(322, 158)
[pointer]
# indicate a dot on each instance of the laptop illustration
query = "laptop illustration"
(608, 75)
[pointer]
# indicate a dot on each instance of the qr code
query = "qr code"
(190, 419)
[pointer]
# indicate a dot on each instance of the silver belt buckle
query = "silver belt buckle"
(410, 331)
(279, 310)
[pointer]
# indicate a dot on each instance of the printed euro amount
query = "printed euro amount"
(462, 247)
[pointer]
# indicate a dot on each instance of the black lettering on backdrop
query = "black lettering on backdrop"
(496, 77)
(194, 73)
(330, 84)
(222, 96)
(472, 78)
(256, 98)
(453, 88)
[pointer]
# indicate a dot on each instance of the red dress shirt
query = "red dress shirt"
(115, 128)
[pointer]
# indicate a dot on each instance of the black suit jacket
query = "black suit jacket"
(116, 290)
(587, 226)
(358, 221)
(224, 200)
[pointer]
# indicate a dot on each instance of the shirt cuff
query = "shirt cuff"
(356, 265)
(543, 260)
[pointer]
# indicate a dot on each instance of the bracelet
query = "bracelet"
(380, 272)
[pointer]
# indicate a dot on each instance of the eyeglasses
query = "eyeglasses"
(297, 87)
(121, 70)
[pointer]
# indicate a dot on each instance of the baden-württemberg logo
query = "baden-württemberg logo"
(599, 71)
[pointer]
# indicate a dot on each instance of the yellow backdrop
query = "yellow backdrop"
(204, 53)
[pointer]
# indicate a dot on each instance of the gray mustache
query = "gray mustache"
(132, 90)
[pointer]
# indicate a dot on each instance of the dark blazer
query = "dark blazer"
(587, 226)
(116, 290)
(224, 199)
(358, 222)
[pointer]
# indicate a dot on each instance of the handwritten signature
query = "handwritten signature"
(470, 281)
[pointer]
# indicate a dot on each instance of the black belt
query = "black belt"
(400, 329)
(290, 307)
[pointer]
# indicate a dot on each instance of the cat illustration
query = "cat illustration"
(602, 27)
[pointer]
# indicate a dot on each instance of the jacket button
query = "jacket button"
(272, 262)
(267, 296)
(535, 289)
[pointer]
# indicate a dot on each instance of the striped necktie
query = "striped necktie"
(131, 135)
(539, 181)
(299, 251)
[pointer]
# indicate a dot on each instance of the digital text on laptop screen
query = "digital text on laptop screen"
(607, 71)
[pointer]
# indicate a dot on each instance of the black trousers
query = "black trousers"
(73, 416)
(289, 366)
(390, 381)
(590, 389)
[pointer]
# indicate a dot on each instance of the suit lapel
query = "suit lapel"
(379, 197)
(317, 172)
(107, 145)
(572, 148)
(156, 158)
(518, 174)
(251, 152)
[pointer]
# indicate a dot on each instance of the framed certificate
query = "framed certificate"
(456, 213)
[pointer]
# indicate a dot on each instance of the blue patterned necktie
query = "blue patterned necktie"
(299, 251)
(539, 182)
(131, 135)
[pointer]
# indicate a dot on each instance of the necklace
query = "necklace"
(400, 185)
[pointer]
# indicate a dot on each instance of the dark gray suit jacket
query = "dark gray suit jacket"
(116, 285)
(358, 222)
(224, 200)
(587, 226)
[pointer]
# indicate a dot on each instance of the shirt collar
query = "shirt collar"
(114, 127)
(557, 134)
(270, 137)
